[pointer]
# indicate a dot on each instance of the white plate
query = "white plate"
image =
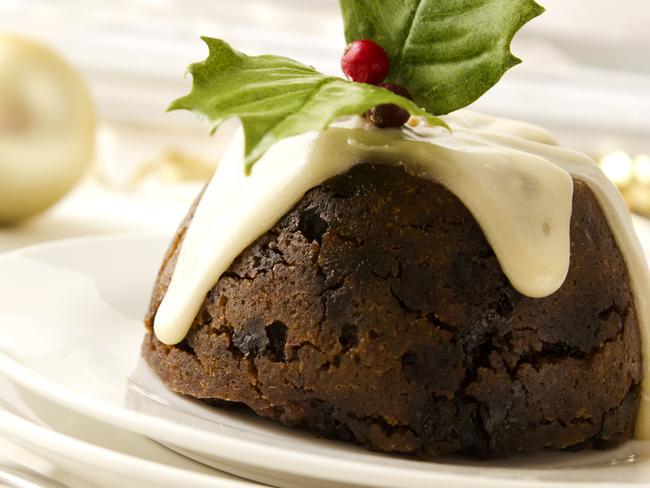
(70, 329)
(97, 452)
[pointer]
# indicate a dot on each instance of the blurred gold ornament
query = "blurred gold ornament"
(47, 126)
(175, 166)
(642, 169)
(617, 165)
(632, 177)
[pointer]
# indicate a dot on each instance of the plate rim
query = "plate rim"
(99, 456)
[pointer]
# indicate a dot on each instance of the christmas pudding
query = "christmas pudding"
(411, 283)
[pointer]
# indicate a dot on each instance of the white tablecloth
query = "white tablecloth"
(93, 210)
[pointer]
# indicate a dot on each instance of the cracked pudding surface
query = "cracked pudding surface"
(376, 312)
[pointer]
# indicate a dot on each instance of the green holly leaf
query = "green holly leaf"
(447, 53)
(276, 97)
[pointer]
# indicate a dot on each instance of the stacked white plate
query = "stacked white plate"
(88, 453)
(75, 391)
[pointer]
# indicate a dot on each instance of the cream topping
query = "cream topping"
(510, 175)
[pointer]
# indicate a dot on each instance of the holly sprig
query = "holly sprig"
(446, 54)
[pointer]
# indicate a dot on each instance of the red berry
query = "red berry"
(389, 114)
(365, 61)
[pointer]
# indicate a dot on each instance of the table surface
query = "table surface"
(95, 210)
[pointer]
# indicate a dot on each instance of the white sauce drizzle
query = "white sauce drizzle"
(511, 176)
